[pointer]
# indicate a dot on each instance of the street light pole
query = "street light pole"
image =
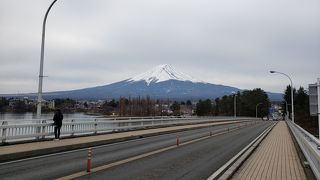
(287, 109)
(41, 61)
(235, 106)
(292, 106)
(318, 89)
(257, 109)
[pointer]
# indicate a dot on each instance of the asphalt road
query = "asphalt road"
(192, 161)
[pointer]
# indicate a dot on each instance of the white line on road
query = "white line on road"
(100, 146)
(104, 167)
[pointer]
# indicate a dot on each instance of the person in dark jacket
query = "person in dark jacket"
(57, 119)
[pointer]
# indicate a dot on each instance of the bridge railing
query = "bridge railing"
(309, 145)
(42, 129)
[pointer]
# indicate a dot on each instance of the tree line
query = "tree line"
(140, 106)
(246, 103)
(301, 109)
(18, 105)
(25, 105)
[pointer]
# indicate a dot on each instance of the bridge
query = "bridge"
(159, 148)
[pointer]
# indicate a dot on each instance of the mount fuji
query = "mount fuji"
(161, 82)
(163, 73)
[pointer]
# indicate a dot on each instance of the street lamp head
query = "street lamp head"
(272, 71)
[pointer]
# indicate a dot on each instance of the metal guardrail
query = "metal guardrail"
(309, 145)
(44, 129)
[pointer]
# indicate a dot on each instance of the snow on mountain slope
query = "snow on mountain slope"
(161, 82)
(162, 73)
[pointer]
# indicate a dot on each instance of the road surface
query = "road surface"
(194, 161)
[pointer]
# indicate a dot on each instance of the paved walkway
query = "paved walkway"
(275, 158)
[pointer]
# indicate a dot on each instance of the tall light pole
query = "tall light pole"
(287, 109)
(235, 105)
(41, 61)
(257, 109)
(292, 106)
(318, 92)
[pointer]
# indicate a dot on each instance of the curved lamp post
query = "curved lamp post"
(41, 61)
(257, 109)
(292, 106)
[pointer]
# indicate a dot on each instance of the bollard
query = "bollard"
(210, 133)
(89, 159)
(178, 141)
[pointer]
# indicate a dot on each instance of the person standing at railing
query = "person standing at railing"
(57, 119)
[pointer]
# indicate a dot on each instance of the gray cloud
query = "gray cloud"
(98, 42)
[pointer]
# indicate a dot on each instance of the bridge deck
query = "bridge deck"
(46, 147)
(275, 158)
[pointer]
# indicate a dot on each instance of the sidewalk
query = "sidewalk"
(275, 158)
(18, 151)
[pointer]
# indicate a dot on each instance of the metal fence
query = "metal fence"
(309, 145)
(13, 130)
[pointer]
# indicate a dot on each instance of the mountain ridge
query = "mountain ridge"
(161, 82)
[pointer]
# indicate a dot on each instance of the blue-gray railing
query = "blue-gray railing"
(14, 130)
(309, 145)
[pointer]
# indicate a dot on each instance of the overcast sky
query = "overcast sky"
(98, 42)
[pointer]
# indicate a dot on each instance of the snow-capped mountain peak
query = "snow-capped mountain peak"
(161, 73)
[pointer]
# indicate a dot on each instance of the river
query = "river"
(33, 116)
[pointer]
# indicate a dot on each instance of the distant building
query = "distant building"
(51, 104)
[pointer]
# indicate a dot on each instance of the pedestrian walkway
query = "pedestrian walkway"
(275, 158)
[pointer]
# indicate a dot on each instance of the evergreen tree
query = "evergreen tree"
(287, 99)
(65, 103)
(246, 103)
(175, 108)
(204, 108)
(301, 105)
(216, 107)
(301, 109)
(3, 103)
(249, 101)
(226, 105)
(189, 103)
(112, 103)
(20, 106)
